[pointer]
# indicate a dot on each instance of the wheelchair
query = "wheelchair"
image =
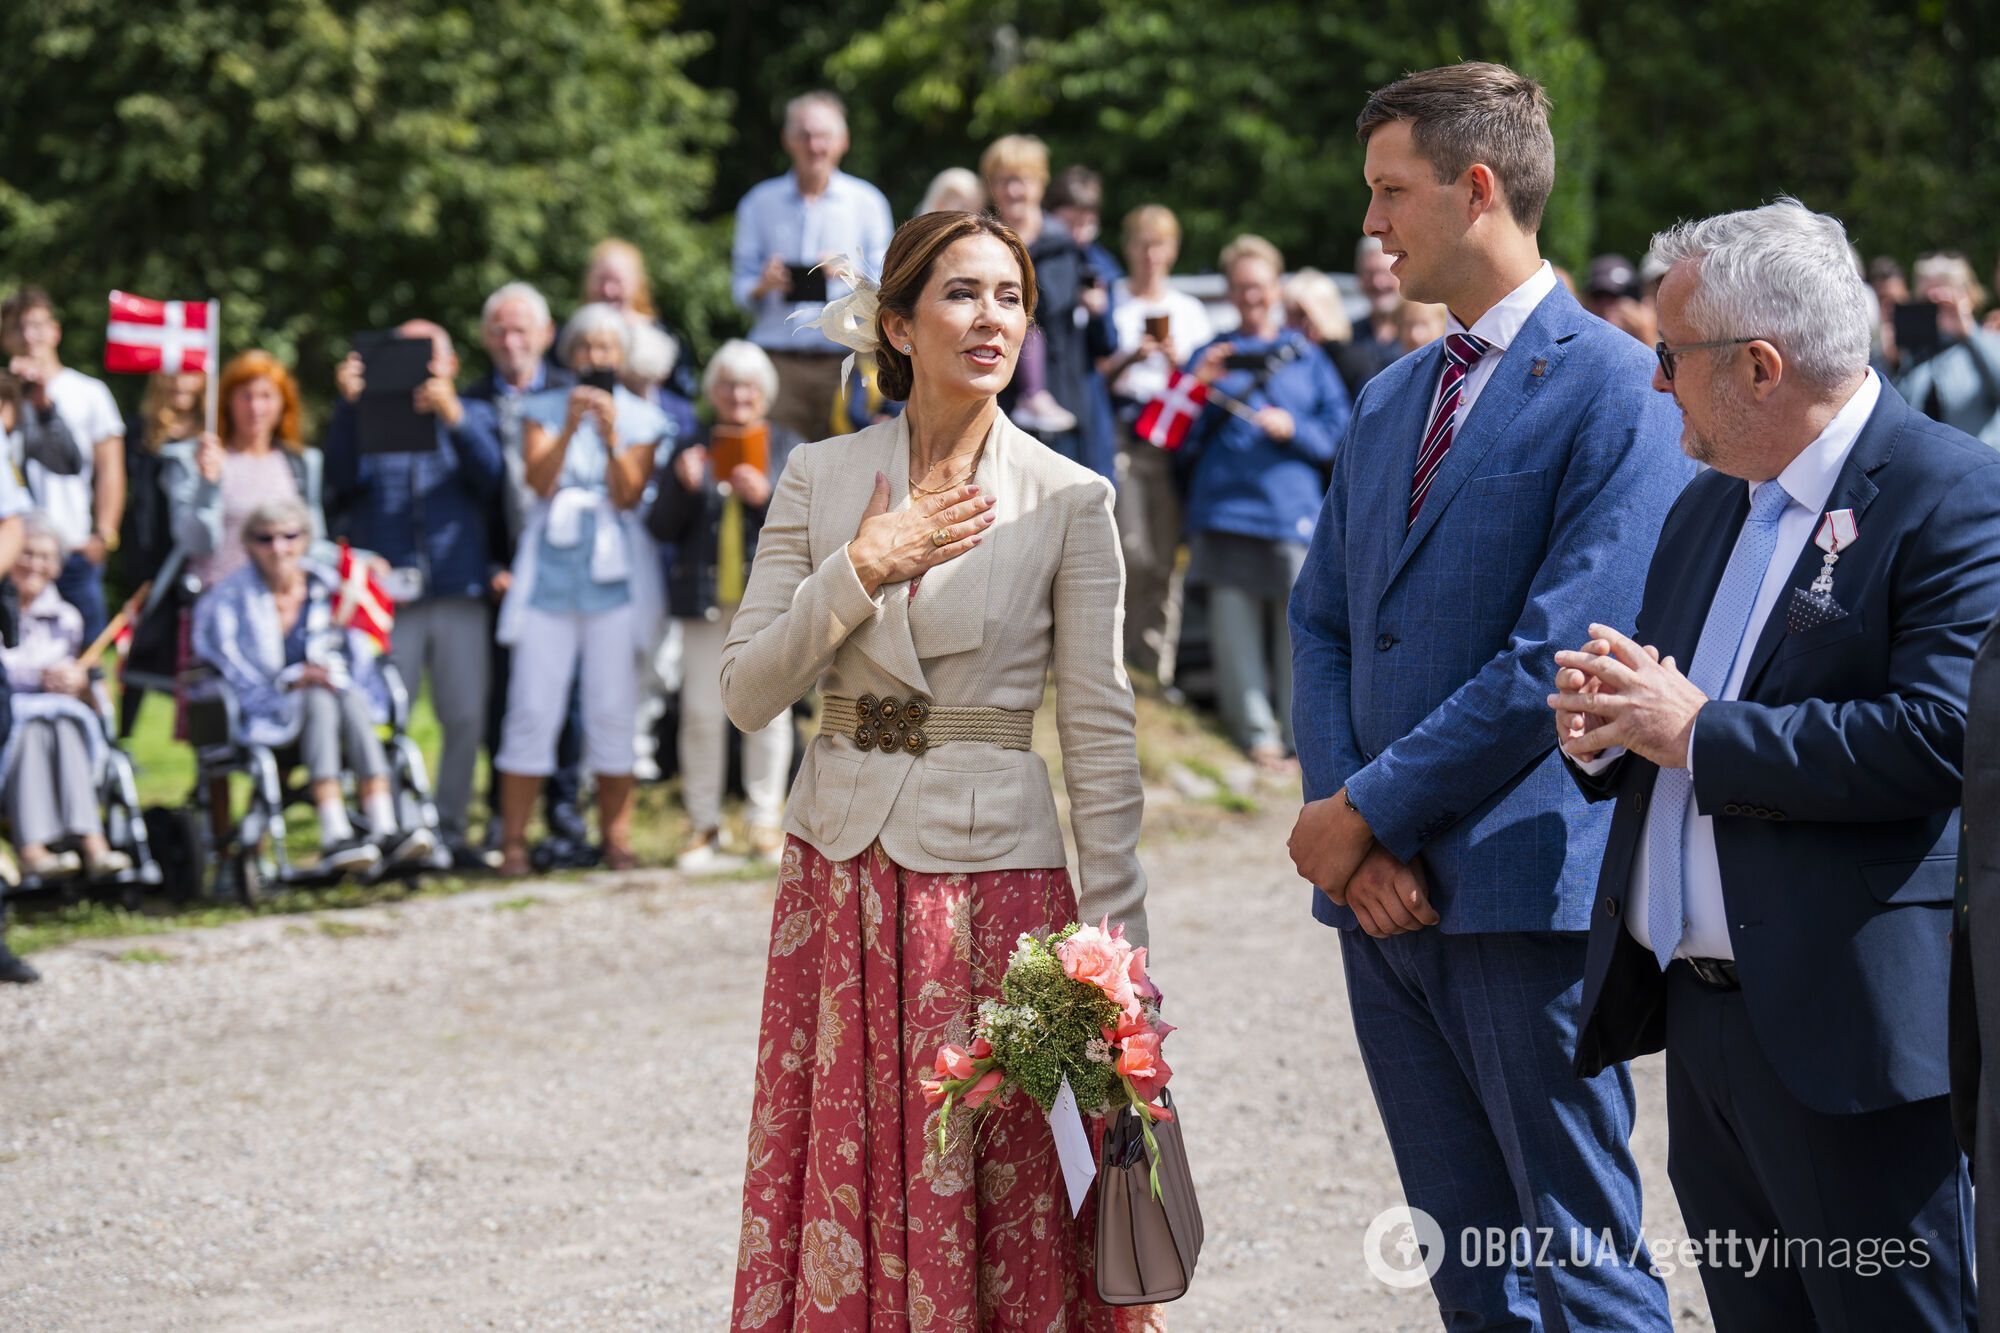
(125, 828)
(252, 862)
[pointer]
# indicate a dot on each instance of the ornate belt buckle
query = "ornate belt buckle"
(891, 725)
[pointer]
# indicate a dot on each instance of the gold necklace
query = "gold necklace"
(977, 454)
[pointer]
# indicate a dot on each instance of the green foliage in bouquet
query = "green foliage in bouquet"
(1051, 1025)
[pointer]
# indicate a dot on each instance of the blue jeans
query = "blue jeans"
(81, 584)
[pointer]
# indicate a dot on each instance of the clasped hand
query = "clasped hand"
(894, 547)
(1333, 849)
(1613, 692)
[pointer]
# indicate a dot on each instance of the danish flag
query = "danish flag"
(363, 603)
(1164, 422)
(144, 336)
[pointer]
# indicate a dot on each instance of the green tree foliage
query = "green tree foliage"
(326, 167)
(1241, 116)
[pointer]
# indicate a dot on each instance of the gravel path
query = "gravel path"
(489, 1111)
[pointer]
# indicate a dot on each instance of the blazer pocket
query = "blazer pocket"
(834, 775)
(1926, 879)
(1820, 636)
(1506, 483)
(967, 812)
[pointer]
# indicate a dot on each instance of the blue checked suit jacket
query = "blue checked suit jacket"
(1423, 654)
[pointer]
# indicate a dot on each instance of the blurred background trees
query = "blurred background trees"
(324, 167)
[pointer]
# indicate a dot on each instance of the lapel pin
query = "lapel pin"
(1539, 369)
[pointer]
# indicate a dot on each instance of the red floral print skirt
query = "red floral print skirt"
(852, 1220)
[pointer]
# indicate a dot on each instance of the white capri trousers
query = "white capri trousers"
(767, 753)
(546, 655)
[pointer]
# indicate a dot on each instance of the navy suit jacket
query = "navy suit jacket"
(1833, 779)
(1423, 654)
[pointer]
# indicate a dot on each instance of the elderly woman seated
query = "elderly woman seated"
(56, 747)
(301, 677)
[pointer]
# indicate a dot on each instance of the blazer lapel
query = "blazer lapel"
(885, 639)
(948, 614)
(1531, 360)
(1854, 489)
(1678, 630)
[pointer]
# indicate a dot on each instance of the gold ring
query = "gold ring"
(942, 537)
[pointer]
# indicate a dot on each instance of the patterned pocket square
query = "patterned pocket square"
(1810, 610)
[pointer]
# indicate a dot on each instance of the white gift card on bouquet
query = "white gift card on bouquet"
(1079, 1163)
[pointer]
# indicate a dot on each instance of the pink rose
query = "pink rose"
(989, 1083)
(953, 1062)
(933, 1091)
(1097, 958)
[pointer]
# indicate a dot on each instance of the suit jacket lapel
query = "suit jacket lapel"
(1854, 489)
(886, 638)
(948, 614)
(1531, 360)
(1677, 631)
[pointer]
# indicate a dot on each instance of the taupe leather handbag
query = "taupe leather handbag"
(1146, 1247)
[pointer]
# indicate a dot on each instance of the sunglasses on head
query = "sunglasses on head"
(272, 538)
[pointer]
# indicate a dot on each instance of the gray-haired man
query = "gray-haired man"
(1783, 733)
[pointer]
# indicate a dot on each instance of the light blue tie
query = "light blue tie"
(1714, 655)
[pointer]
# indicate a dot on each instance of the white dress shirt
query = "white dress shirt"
(1808, 480)
(1498, 326)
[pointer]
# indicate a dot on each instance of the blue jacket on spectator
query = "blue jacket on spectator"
(1247, 483)
(429, 511)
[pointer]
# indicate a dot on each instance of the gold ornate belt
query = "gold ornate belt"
(912, 726)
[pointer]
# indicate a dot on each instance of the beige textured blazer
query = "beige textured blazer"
(1042, 595)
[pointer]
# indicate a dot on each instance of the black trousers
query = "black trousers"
(1846, 1222)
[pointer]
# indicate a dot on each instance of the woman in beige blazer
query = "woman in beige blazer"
(929, 575)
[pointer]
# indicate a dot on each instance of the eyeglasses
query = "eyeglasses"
(1667, 354)
(273, 538)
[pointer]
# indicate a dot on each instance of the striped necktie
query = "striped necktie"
(1461, 353)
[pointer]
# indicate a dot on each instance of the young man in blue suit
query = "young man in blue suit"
(1491, 492)
(1786, 763)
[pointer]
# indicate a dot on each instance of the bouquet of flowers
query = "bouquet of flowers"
(1075, 1004)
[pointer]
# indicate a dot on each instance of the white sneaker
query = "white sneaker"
(704, 854)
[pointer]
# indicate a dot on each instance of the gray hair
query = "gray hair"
(744, 362)
(284, 510)
(36, 523)
(819, 97)
(1781, 272)
(597, 317)
(524, 292)
(1366, 246)
(652, 355)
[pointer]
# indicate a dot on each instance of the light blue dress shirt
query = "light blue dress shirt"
(851, 218)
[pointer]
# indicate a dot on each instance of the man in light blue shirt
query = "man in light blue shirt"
(812, 213)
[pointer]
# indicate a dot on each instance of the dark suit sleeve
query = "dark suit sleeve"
(1899, 756)
(1599, 786)
(1322, 656)
(477, 455)
(342, 451)
(1625, 467)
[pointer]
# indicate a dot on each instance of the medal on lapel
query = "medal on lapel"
(1815, 606)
